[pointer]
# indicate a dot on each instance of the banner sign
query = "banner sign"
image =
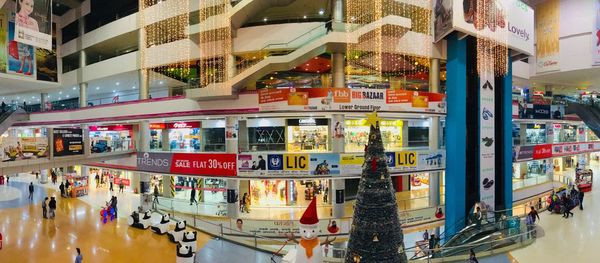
(547, 26)
(333, 164)
(33, 20)
(596, 34)
(345, 99)
(67, 141)
(487, 164)
(117, 127)
(22, 148)
(514, 25)
(215, 164)
(544, 151)
(280, 228)
(541, 111)
(117, 181)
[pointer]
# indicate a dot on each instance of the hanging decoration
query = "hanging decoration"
(215, 41)
(388, 53)
(492, 50)
(164, 39)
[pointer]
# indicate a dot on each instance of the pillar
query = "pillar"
(231, 68)
(233, 186)
(135, 182)
(83, 94)
(337, 190)
(43, 98)
(231, 146)
(50, 143)
(143, 80)
(337, 70)
(338, 15)
(434, 75)
(434, 138)
(164, 137)
(144, 132)
(87, 142)
(168, 183)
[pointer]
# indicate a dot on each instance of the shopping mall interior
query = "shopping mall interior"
(299, 131)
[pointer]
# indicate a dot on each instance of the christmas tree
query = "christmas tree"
(375, 235)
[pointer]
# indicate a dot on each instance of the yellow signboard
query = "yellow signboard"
(352, 159)
(295, 162)
(406, 159)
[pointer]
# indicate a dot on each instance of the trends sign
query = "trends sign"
(218, 164)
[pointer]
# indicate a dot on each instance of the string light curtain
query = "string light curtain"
(492, 38)
(389, 50)
(165, 22)
(215, 40)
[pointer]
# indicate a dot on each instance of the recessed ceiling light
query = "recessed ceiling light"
(133, 87)
(59, 98)
(161, 82)
(60, 92)
(114, 91)
(97, 88)
(32, 97)
(67, 96)
(117, 83)
(304, 17)
(74, 88)
(265, 19)
(321, 12)
(18, 98)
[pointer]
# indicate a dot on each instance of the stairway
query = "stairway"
(7, 119)
(588, 114)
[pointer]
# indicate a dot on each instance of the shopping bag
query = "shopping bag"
(13, 49)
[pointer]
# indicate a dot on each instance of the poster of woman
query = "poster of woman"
(21, 57)
(33, 19)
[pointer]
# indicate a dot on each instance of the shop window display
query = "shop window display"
(186, 140)
(357, 132)
(268, 192)
(308, 135)
(266, 138)
(535, 134)
(418, 136)
(214, 139)
(111, 138)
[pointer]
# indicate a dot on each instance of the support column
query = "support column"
(164, 137)
(337, 70)
(144, 132)
(233, 186)
(231, 146)
(338, 15)
(50, 143)
(83, 94)
(43, 97)
(143, 80)
(337, 190)
(434, 138)
(168, 184)
(87, 142)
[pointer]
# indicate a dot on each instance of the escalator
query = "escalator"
(8, 118)
(590, 115)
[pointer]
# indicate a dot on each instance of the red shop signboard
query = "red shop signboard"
(117, 181)
(542, 151)
(117, 127)
(219, 164)
(183, 125)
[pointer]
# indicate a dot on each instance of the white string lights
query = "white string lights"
(215, 42)
(492, 51)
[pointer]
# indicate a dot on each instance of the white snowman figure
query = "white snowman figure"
(309, 247)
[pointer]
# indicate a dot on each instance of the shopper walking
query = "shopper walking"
(243, 202)
(155, 200)
(62, 189)
(581, 195)
(426, 235)
(44, 208)
(31, 191)
(472, 257)
(530, 221)
(111, 186)
(193, 196)
(79, 257)
(52, 206)
(97, 180)
(121, 186)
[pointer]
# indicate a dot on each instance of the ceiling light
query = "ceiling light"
(133, 87)
(304, 17)
(18, 98)
(59, 98)
(114, 91)
(265, 19)
(117, 83)
(60, 92)
(32, 97)
(321, 12)
(74, 88)
(161, 82)
(67, 96)
(97, 88)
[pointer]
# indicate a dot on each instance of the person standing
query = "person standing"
(114, 204)
(426, 235)
(62, 189)
(79, 257)
(52, 206)
(3, 107)
(31, 191)
(121, 186)
(243, 202)
(472, 257)
(581, 195)
(111, 186)
(193, 195)
(155, 200)
(530, 220)
(97, 180)
(44, 208)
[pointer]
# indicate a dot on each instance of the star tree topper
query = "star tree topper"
(373, 119)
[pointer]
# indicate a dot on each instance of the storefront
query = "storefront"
(288, 192)
(356, 134)
(111, 138)
(208, 190)
(565, 133)
(156, 135)
(532, 173)
(105, 176)
(308, 135)
(184, 136)
(266, 134)
(535, 133)
(213, 135)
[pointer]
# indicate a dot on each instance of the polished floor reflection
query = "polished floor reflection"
(30, 238)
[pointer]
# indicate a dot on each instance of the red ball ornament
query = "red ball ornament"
(374, 163)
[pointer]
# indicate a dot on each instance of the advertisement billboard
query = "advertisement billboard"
(33, 23)
(345, 99)
(215, 164)
(67, 141)
(547, 29)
